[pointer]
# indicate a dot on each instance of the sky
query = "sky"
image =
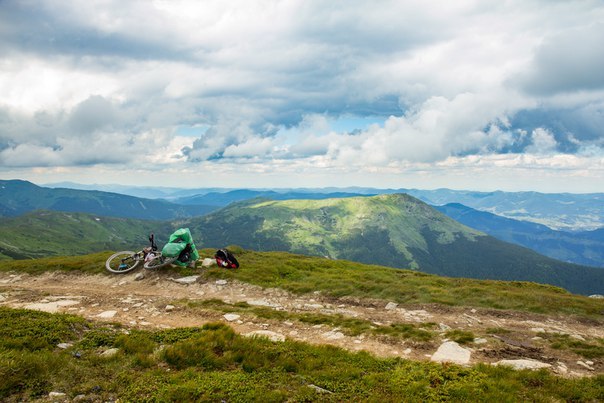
(465, 94)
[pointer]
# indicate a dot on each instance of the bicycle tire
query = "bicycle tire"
(122, 262)
(158, 262)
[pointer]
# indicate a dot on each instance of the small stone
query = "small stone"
(221, 282)
(110, 352)
(169, 308)
(208, 262)
(231, 317)
(443, 327)
(64, 345)
(480, 341)
(107, 314)
(332, 335)
(139, 277)
(450, 351)
(57, 395)
(391, 306)
(523, 364)
(185, 280)
(319, 389)
(273, 336)
(585, 365)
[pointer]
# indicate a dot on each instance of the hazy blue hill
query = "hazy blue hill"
(392, 230)
(564, 211)
(586, 248)
(18, 197)
(52, 233)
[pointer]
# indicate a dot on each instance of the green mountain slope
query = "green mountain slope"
(392, 230)
(18, 197)
(50, 233)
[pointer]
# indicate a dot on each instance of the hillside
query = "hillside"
(393, 230)
(290, 328)
(585, 247)
(221, 199)
(52, 233)
(18, 197)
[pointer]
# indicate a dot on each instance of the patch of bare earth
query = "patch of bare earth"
(158, 301)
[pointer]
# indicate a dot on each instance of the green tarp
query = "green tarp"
(177, 243)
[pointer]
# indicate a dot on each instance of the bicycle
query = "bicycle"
(159, 260)
(126, 261)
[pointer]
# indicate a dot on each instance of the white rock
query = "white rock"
(169, 308)
(273, 336)
(577, 336)
(185, 280)
(262, 302)
(221, 282)
(107, 314)
(231, 317)
(443, 327)
(208, 262)
(585, 365)
(538, 330)
(51, 307)
(332, 335)
(523, 364)
(110, 352)
(57, 395)
(391, 305)
(450, 351)
(480, 341)
(139, 277)
(64, 345)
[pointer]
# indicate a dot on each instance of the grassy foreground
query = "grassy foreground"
(213, 363)
(338, 278)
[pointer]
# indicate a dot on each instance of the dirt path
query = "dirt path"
(158, 301)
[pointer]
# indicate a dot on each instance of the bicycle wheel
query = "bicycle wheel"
(122, 262)
(159, 261)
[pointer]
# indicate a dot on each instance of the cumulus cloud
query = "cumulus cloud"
(87, 83)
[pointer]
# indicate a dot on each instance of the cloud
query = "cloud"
(567, 61)
(268, 79)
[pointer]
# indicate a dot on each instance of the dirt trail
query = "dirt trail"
(157, 301)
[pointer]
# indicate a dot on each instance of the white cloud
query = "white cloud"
(447, 79)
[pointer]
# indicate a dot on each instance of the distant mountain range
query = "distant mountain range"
(563, 211)
(585, 247)
(392, 230)
(18, 197)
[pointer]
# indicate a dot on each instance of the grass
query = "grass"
(338, 278)
(213, 363)
(587, 349)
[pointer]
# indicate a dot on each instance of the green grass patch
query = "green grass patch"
(460, 336)
(587, 349)
(213, 363)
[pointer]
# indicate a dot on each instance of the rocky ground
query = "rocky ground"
(156, 300)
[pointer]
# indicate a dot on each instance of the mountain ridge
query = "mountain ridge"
(397, 231)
